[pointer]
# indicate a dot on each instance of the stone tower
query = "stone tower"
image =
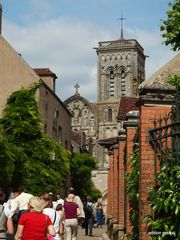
(120, 70)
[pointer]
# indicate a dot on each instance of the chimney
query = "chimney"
(0, 18)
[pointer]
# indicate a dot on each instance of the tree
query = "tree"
(171, 26)
(6, 160)
(81, 167)
(39, 162)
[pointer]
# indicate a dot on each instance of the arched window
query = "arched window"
(66, 144)
(111, 74)
(56, 114)
(111, 83)
(83, 142)
(109, 115)
(122, 73)
(55, 130)
(123, 81)
(90, 147)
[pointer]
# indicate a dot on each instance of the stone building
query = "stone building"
(84, 121)
(120, 70)
(15, 73)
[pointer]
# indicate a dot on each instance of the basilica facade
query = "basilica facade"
(120, 70)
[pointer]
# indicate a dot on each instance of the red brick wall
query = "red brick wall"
(110, 184)
(147, 114)
(115, 183)
(121, 182)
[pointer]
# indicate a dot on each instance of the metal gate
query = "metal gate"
(165, 138)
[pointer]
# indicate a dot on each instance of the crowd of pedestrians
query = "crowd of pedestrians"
(47, 216)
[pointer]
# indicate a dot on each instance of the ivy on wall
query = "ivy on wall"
(164, 198)
(132, 188)
(29, 157)
(164, 201)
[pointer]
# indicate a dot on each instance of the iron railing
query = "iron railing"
(165, 138)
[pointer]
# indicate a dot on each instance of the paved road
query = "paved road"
(97, 233)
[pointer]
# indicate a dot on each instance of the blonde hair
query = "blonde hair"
(37, 204)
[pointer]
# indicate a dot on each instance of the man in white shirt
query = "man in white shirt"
(20, 200)
(19, 204)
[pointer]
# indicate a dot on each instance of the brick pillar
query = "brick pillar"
(131, 130)
(147, 114)
(110, 185)
(115, 181)
(121, 179)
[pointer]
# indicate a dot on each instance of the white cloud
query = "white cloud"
(158, 54)
(66, 47)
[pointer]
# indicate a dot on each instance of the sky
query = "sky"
(62, 34)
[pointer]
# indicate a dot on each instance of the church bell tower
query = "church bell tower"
(120, 70)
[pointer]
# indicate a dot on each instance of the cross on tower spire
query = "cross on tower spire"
(121, 19)
(76, 86)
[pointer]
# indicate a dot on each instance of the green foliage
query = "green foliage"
(33, 159)
(81, 166)
(21, 118)
(6, 160)
(95, 193)
(174, 80)
(132, 187)
(171, 26)
(48, 166)
(164, 201)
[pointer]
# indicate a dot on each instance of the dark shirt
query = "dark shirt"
(70, 210)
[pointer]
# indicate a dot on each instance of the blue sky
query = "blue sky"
(61, 34)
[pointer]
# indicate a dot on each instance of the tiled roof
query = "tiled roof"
(159, 78)
(107, 141)
(43, 72)
(126, 104)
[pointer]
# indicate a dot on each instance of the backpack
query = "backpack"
(89, 210)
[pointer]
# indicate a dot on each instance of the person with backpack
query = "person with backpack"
(89, 216)
(19, 204)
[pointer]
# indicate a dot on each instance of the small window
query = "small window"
(111, 75)
(122, 73)
(66, 144)
(91, 147)
(60, 133)
(46, 107)
(109, 115)
(56, 114)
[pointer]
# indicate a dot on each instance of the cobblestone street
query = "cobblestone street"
(98, 234)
